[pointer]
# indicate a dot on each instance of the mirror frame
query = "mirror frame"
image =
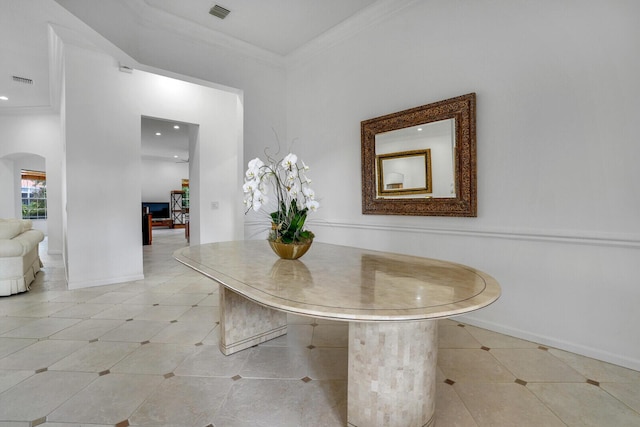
(463, 110)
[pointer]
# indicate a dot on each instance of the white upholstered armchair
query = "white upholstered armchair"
(19, 259)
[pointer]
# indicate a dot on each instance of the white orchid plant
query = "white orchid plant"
(293, 196)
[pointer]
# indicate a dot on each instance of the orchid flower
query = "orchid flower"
(293, 197)
(258, 200)
(312, 205)
(308, 193)
(289, 162)
(250, 186)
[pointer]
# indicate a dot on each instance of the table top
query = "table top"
(344, 283)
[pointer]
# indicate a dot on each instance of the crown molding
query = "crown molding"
(367, 17)
(23, 111)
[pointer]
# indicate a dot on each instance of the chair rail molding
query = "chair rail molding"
(551, 236)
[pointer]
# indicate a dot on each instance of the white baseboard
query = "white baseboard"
(591, 352)
(111, 281)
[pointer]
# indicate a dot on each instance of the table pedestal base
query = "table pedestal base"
(392, 365)
(392, 373)
(244, 323)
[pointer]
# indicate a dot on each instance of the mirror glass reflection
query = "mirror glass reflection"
(417, 161)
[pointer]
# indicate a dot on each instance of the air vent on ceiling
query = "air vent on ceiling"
(22, 80)
(219, 11)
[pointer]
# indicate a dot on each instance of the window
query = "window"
(34, 195)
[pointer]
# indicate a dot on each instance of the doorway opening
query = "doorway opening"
(166, 147)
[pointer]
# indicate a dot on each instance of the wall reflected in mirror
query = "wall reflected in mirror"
(417, 161)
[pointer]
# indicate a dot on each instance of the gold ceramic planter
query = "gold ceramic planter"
(290, 250)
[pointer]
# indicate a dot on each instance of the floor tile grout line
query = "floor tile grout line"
(469, 411)
(558, 416)
(637, 411)
(167, 278)
(516, 381)
(585, 376)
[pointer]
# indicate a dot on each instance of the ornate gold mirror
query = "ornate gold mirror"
(421, 161)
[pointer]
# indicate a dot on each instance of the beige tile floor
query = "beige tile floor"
(145, 353)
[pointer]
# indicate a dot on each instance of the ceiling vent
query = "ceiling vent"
(22, 80)
(219, 11)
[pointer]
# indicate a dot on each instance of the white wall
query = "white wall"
(557, 100)
(103, 109)
(160, 177)
(164, 42)
(7, 184)
(168, 43)
(158, 49)
(260, 75)
(35, 134)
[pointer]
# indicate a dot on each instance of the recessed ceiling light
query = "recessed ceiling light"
(176, 127)
(158, 134)
(419, 129)
(3, 98)
(175, 157)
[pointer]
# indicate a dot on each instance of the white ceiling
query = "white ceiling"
(278, 27)
(170, 143)
(24, 53)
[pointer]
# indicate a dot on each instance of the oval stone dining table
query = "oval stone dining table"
(391, 301)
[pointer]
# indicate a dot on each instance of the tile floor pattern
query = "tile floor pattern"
(145, 354)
